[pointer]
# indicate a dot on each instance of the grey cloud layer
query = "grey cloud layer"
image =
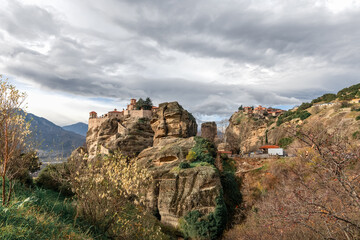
(309, 49)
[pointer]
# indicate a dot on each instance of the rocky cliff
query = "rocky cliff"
(176, 191)
(128, 135)
(246, 133)
(162, 144)
(172, 121)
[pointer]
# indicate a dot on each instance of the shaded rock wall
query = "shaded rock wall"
(209, 131)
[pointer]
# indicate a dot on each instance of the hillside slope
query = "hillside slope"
(54, 142)
(246, 133)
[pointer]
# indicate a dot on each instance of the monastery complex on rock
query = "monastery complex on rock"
(130, 111)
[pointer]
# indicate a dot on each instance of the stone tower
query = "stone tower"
(93, 114)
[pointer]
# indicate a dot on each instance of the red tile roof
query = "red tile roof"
(268, 146)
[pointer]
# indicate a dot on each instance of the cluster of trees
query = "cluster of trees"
(144, 104)
(349, 93)
(289, 115)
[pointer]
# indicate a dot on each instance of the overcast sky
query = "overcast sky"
(72, 57)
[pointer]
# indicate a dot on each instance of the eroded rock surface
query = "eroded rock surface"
(173, 121)
(129, 136)
(209, 131)
(174, 192)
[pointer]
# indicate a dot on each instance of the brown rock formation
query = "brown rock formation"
(171, 120)
(175, 192)
(129, 135)
(209, 131)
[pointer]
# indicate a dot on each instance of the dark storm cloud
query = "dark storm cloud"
(122, 59)
(242, 34)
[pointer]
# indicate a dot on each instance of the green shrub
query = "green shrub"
(196, 226)
(304, 106)
(304, 115)
(55, 177)
(355, 109)
(357, 118)
(356, 135)
(328, 97)
(285, 142)
(184, 165)
(203, 151)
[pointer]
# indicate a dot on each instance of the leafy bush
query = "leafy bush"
(105, 189)
(284, 142)
(196, 226)
(184, 165)
(357, 118)
(355, 109)
(55, 177)
(203, 151)
(303, 115)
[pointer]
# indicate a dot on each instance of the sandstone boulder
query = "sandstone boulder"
(172, 121)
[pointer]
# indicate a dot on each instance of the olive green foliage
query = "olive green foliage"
(240, 108)
(55, 177)
(357, 118)
(203, 151)
(196, 226)
(349, 93)
(356, 135)
(144, 104)
(304, 106)
(289, 115)
(355, 109)
(184, 165)
(285, 142)
(328, 97)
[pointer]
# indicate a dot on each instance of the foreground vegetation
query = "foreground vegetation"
(36, 213)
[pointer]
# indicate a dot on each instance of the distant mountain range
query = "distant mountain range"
(53, 142)
(79, 128)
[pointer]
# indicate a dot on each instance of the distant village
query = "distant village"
(261, 112)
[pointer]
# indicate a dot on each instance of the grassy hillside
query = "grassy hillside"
(41, 214)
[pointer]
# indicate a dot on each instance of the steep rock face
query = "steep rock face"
(171, 120)
(247, 134)
(174, 192)
(209, 131)
(129, 135)
(244, 133)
